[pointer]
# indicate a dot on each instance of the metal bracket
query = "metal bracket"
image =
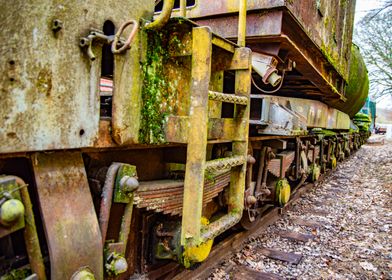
(97, 36)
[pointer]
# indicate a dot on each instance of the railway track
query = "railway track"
(236, 241)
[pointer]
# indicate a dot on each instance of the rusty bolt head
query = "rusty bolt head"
(11, 211)
(116, 264)
(129, 184)
(250, 200)
(251, 160)
(120, 265)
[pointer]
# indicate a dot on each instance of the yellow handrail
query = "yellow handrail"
(242, 24)
(163, 16)
(183, 8)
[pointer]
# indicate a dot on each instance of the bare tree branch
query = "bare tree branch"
(374, 38)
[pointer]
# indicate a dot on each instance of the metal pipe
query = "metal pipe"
(106, 201)
(183, 8)
(242, 23)
(30, 233)
(163, 17)
(126, 225)
(219, 226)
(263, 153)
(251, 160)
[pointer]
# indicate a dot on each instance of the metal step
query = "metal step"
(228, 98)
(224, 163)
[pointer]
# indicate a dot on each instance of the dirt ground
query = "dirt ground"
(351, 231)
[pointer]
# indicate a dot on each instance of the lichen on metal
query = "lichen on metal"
(282, 191)
(198, 253)
(197, 139)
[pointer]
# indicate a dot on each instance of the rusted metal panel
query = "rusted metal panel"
(71, 225)
(266, 33)
(279, 165)
(49, 86)
(205, 8)
(268, 24)
(317, 37)
(329, 23)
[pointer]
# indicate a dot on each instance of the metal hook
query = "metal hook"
(130, 38)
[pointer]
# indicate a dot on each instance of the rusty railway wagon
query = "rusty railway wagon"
(134, 133)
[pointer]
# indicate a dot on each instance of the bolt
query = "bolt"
(251, 160)
(57, 25)
(11, 211)
(116, 264)
(129, 184)
(265, 191)
(251, 200)
(120, 265)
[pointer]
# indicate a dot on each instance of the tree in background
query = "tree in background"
(374, 37)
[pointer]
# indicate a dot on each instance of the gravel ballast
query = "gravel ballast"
(350, 217)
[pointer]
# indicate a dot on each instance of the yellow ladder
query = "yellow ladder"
(200, 128)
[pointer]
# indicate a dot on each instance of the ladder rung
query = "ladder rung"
(228, 98)
(223, 44)
(224, 163)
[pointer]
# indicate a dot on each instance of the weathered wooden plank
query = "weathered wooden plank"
(245, 273)
(296, 236)
(282, 256)
(307, 223)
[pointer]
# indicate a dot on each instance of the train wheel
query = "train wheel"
(250, 217)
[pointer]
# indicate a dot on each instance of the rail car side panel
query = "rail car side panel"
(49, 86)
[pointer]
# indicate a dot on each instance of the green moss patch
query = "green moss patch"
(155, 89)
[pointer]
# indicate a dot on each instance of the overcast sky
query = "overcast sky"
(363, 6)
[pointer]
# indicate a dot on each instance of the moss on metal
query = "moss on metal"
(358, 83)
(323, 132)
(160, 96)
(155, 89)
(16, 274)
